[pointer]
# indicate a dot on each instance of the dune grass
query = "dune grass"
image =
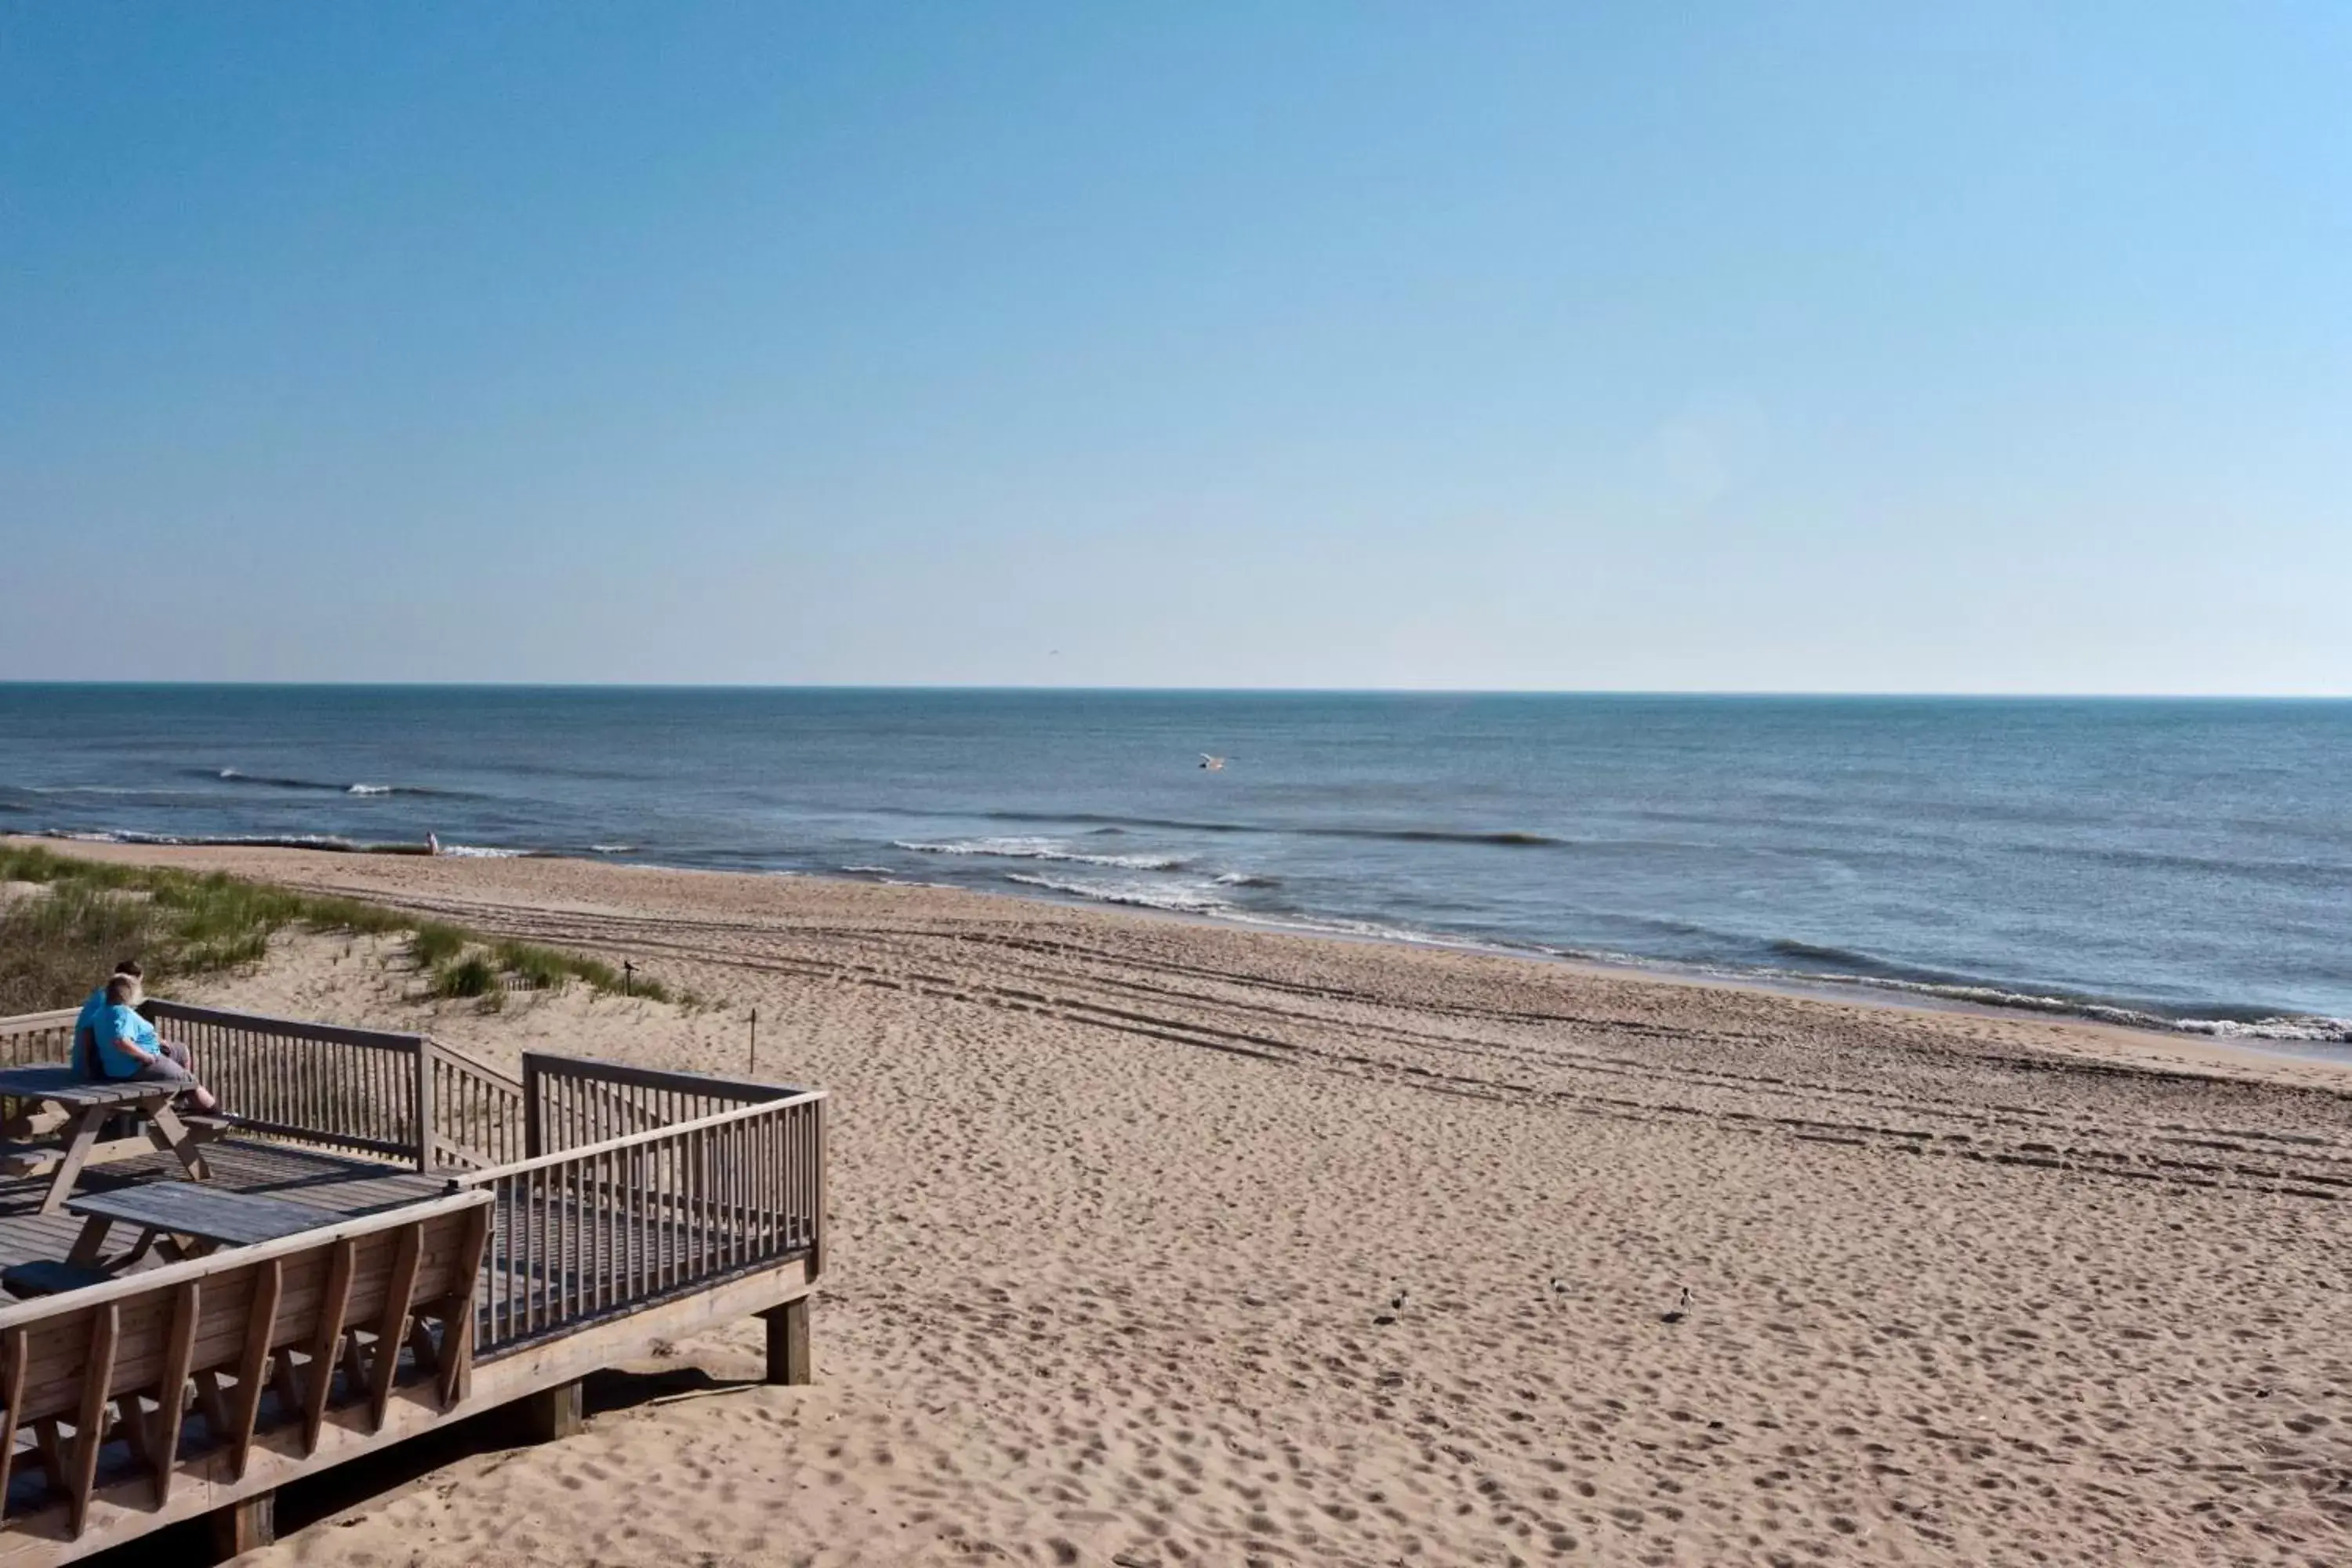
(54, 946)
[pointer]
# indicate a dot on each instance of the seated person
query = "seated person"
(129, 1049)
(93, 1015)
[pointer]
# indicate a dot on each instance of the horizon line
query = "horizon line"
(749, 686)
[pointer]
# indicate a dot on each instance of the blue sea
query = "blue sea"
(2188, 863)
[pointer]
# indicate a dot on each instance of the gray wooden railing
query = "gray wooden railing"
(30, 1039)
(612, 1186)
(478, 1110)
(571, 1100)
(370, 1090)
(603, 1227)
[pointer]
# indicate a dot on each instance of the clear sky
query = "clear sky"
(1878, 347)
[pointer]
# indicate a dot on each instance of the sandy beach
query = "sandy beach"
(1160, 1242)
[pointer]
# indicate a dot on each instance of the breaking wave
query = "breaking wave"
(1041, 849)
(1507, 838)
(1141, 895)
(275, 781)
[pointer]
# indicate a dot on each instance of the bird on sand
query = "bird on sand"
(1682, 1309)
(1214, 765)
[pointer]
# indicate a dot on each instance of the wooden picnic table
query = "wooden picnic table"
(183, 1220)
(87, 1107)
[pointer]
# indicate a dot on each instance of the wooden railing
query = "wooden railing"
(101, 1376)
(478, 1110)
(32, 1038)
(608, 1226)
(568, 1101)
(364, 1089)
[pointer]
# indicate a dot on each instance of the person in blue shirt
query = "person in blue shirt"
(127, 1048)
(93, 1014)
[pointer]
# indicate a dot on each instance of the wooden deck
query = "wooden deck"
(482, 1239)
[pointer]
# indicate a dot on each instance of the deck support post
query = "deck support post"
(788, 1342)
(243, 1527)
(553, 1414)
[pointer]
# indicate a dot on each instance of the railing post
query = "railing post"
(533, 1145)
(816, 1209)
(788, 1342)
(425, 1154)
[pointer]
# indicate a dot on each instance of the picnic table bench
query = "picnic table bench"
(84, 1109)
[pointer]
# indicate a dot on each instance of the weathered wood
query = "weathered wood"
(89, 1418)
(260, 1325)
(123, 1509)
(425, 1109)
(247, 1525)
(390, 1322)
(78, 1147)
(788, 1342)
(211, 1213)
(286, 1028)
(676, 1207)
(38, 1120)
(589, 1070)
(448, 1205)
(211, 1402)
(170, 1389)
(43, 1159)
(50, 1446)
(286, 1378)
(12, 1391)
(455, 1374)
(58, 1084)
(534, 1132)
(327, 1339)
(553, 1413)
(164, 1126)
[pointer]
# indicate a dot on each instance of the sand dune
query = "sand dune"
(1124, 1206)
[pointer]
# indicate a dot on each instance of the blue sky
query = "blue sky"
(1807, 348)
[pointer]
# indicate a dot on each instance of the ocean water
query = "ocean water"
(2185, 862)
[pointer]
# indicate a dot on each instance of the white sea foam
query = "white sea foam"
(1192, 901)
(1041, 849)
(872, 871)
(224, 840)
(482, 852)
(612, 848)
(2331, 1031)
(369, 789)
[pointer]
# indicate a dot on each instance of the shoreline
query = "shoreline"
(2262, 1029)
(2164, 1048)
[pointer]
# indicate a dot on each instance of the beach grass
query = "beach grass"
(89, 914)
(472, 976)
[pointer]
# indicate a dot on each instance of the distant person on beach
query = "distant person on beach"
(432, 843)
(130, 1050)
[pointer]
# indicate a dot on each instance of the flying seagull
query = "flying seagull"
(1214, 765)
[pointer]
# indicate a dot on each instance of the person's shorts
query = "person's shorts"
(163, 1070)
